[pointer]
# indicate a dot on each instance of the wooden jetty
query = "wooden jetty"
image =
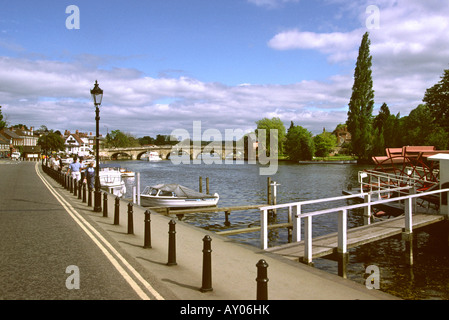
(328, 244)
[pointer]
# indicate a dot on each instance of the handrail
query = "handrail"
(342, 220)
(356, 195)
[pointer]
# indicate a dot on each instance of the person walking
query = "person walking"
(74, 169)
(90, 176)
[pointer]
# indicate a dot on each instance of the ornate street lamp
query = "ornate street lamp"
(97, 96)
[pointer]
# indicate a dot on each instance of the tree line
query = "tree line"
(427, 124)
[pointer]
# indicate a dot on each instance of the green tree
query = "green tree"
(362, 102)
(269, 124)
(117, 139)
(419, 128)
(324, 143)
(51, 142)
(146, 140)
(437, 100)
(2, 123)
(299, 143)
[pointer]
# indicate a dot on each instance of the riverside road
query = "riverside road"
(40, 244)
(54, 247)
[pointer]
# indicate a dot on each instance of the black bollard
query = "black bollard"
(147, 235)
(75, 188)
(84, 193)
(71, 184)
(262, 280)
(130, 219)
(89, 198)
(105, 205)
(172, 244)
(117, 211)
(207, 265)
(80, 185)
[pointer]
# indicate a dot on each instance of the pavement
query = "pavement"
(234, 270)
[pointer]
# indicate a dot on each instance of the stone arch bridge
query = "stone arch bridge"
(165, 152)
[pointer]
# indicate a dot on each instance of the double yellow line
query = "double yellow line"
(108, 250)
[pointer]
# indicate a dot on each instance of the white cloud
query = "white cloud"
(270, 3)
(409, 49)
(56, 94)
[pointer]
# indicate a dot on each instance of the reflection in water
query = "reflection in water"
(241, 184)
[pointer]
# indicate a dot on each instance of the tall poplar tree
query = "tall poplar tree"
(2, 123)
(361, 104)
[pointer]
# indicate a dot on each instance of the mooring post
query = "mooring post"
(130, 219)
(207, 185)
(105, 205)
(269, 191)
(262, 280)
(201, 185)
(147, 232)
(207, 265)
(117, 211)
(172, 243)
(227, 222)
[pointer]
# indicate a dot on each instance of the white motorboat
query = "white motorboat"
(176, 196)
(112, 182)
(127, 173)
(151, 156)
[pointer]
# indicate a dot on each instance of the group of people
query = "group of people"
(79, 172)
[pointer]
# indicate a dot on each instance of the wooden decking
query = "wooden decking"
(327, 245)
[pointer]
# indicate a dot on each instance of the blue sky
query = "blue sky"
(226, 63)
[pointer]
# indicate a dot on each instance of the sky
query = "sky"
(224, 64)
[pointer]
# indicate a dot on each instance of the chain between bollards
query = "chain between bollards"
(207, 265)
(147, 232)
(262, 280)
(172, 244)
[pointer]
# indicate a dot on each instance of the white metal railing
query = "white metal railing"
(382, 181)
(342, 218)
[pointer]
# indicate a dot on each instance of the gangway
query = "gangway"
(342, 240)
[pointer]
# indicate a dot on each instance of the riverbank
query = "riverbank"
(287, 280)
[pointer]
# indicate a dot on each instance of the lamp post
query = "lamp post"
(97, 96)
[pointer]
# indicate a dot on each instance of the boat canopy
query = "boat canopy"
(177, 191)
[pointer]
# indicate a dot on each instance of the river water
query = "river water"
(241, 184)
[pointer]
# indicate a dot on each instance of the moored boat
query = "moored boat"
(111, 181)
(127, 173)
(176, 196)
(151, 156)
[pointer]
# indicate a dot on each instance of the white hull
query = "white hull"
(176, 196)
(111, 181)
(151, 201)
(152, 156)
